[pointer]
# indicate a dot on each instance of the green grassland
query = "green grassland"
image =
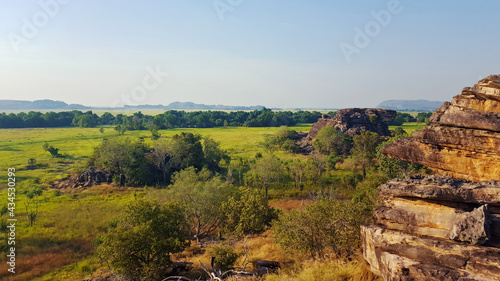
(59, 245)
(17, 146)
(410, 128)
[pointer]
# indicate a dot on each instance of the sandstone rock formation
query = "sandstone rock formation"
(353, 121)
(463, 140)
(439, 227)
(435, 228)
(87, 179)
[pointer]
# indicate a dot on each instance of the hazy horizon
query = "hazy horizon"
(240, 53)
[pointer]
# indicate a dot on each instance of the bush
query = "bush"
(247, 213)
(201, 196)
(125, 158)
(225, 257)
(325, 225)
(139, 247)
(52, 150)
(329, 140)
(396, 168)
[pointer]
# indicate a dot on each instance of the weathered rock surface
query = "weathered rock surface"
(86, 179)
(353, 121)
(443, 189)
(430, 228)
(439, 227)
(463, 140)
(473, 227)
(396, 255)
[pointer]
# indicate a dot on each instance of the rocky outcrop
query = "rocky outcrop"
(435, 228)
(440, 227)
(86, 179)
(353, 121)
(463, 140)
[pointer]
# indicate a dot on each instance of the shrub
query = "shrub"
(247, 213)
(329, 140)
(52, 150)
(141, 245)
(326, 225)
(225, 257)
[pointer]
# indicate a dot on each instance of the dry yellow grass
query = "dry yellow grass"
(331, 270)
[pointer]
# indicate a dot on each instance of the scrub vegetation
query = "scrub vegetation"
(190, 194)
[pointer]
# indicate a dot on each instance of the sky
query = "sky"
(276, 53)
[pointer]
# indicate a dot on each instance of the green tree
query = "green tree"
(284, 134)
(139, 247)
(396, 168)
(365, 149)
(214, 154)
(52, 150)
(186, 150)
(154, 134)
(31, 163)
(201, 196)
(330, 140)
(316, 166)
(326, 225)
(32, 203)
(107, 118)
(424, 117)
(85, 121)
(266, 170)
(248, 212)
(241, 165)
(123, 157)
(297, 171)
(160, 157)
(398, 132)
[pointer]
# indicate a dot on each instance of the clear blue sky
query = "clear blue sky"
(275, 53)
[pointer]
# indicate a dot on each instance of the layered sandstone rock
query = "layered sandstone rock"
(435, 228)
(439, 227)
(353, 121)
(463, 140)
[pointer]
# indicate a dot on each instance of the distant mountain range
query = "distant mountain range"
(194, 106)
(411, 105)
(60, 105)
(38, 104)
(399, 105)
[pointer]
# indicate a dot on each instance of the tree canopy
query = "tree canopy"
(332, 141)
(139, 247)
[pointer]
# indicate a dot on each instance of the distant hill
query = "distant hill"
(411, 105)
(194, 106)
(191, 105)
(60, 105)
(38, 104)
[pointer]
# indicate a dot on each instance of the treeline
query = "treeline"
(176, 119)
(167, 120)
(402, 117)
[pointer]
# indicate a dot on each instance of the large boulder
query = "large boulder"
(353, 121)
(447, 226)
(86, 179)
